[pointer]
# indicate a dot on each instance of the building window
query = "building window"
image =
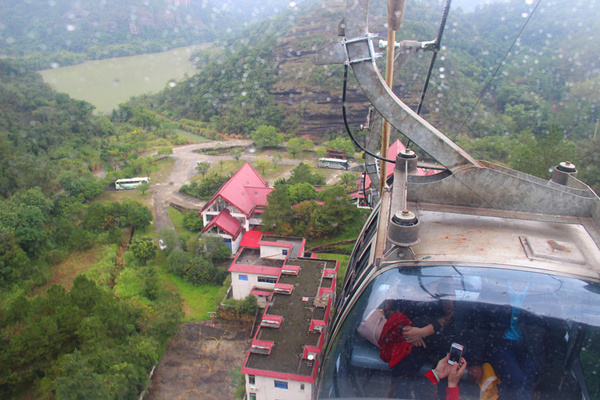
(244, 277)
(302, 386)
(252, 396)
(284, 252)
(266, 279)
(251, 379)
(281, 385)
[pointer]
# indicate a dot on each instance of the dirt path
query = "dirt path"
(201, 362)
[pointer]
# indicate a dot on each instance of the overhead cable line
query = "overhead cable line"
(486, 87)
(436, 49)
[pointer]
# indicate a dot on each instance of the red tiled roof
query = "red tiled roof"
(226, 222)
(251, 239)
(234, 191)
(258, 194)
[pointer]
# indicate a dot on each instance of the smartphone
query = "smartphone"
(455, 353)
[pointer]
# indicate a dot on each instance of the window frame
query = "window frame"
(280, 384)
(267, 279)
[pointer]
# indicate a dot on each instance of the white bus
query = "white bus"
(131, 183)
(334, 163)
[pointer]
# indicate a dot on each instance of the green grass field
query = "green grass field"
(198, 300)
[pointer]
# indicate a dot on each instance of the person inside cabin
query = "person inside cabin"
(416, 332)
(445, 370)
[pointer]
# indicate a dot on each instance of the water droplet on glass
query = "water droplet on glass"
(54, 65)
(116, 82)
(70, 27)
(172, 83)
(244, 93)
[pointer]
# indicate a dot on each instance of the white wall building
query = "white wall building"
(284, 357)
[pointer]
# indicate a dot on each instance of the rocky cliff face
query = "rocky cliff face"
(311, 92)
(314, 92)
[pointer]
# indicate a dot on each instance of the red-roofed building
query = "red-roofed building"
(241, 198)
(260, 262)
(228, 227)
(297, 294)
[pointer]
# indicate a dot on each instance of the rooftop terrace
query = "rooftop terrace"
(295, 242)
(297, 310)
(249, 256)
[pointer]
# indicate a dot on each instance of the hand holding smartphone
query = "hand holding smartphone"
(456, 351)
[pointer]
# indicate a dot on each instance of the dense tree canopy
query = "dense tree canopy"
(143, 249)
(298, 210)
(207, 187)
(39, 129)
(86, 342)
(64, 33)
(306, 172)
(266, 136)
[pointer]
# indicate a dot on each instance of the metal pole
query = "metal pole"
(395, 16)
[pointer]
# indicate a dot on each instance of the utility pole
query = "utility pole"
(395, 17)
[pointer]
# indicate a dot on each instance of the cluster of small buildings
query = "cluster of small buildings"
(295, 289)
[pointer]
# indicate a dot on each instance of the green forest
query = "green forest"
(106, 332)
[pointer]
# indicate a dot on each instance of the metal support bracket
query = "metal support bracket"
(373, 55)
(338, 53)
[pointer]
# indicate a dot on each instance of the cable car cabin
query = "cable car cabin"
(461, 275)
(465, 277)
(504, 264)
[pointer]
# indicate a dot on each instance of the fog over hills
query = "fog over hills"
(62, 32)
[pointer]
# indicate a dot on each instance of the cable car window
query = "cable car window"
(362, 264)
(354, 273)
(406, 319)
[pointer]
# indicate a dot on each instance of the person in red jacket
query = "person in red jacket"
(453, 372)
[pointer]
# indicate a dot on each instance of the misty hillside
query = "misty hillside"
(542, 80)
(63, 32)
